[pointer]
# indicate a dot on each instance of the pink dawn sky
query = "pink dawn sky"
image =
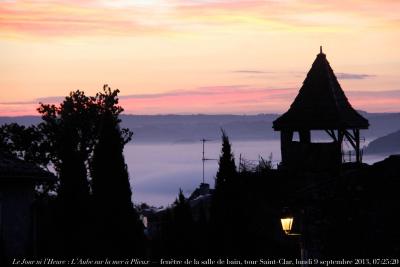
(196, 56)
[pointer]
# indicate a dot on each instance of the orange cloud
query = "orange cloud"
(69, 18)
(190, 43)
(122, 17)
(295, 15)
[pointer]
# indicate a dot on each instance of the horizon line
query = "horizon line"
(203, 114)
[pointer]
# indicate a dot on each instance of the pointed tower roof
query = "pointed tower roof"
(321, 103)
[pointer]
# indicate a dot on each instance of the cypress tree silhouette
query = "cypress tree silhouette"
(183, 223)
(182, 211)
(110, 180)
(223, 201)
(119, 231)
(227, 167)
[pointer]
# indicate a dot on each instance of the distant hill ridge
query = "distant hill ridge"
(191, 128)
(386, 144)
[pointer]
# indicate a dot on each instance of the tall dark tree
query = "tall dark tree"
(71, 131)
(68, 131)
(120, 233)
(183, 227)
(224, 202)
(227, 167)
(110, 179)
(82, 141)
(182, 212)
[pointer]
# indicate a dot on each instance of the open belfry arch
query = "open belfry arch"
(320, 105)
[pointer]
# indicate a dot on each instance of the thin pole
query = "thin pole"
(240, 162)
(356, 133)
(203, 158)
(302, 254)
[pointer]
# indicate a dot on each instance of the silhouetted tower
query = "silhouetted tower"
(320, 105)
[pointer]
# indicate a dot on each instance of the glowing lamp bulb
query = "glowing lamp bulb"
(287, 224)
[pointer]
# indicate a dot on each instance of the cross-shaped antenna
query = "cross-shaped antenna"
(203, 159)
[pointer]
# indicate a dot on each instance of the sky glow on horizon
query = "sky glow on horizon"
(196, 56)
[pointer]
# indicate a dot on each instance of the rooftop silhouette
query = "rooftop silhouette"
(321, 103)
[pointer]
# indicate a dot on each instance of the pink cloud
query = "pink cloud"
(383, 101)
(217, 99)
(243, 99)
(236, 99)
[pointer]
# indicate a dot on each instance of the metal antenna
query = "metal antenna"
(203, 159)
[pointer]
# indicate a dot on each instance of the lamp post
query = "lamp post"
(287, 221)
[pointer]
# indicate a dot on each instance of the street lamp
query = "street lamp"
(287, 223)
(287, 220)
